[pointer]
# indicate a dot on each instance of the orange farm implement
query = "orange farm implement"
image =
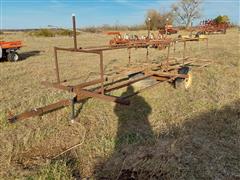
(168, 29)
(8, 50)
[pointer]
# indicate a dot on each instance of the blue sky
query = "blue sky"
(41, 13)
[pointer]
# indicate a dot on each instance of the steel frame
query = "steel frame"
(163, 72)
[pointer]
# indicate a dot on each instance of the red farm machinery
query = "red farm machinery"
(211, 27)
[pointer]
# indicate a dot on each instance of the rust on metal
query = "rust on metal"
(166, 71)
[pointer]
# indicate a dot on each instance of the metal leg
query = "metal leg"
(73, 116)
(147, 55)
(101, 73)
(174, 47)
(129, 56)
(184, 51)
(168, 54)
(74, 32)
(207, 47)
(56, 64)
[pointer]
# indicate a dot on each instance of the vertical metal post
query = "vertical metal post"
(191, 30)
(207, 47)
(198, 46)
(149, 19)
(74, 31)
(73, 109)
(166, 27)
(129, 56)
(168, 54)
(56, 64)
(101, 72)
(184, 50)
(174, 47)
(147, 55)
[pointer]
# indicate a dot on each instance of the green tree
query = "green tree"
(222, 19)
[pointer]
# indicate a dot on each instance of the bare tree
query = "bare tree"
(157, 19)
(186, 11)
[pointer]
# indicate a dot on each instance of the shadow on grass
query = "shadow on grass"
(23, 55)
(26, 55)
(133, 124)
(204, 147)
(133, 129)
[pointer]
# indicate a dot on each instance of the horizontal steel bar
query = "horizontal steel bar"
(164, 74)
(141, 90)
(188, 39)
(127, 83)
(78, 50)
(58, 86)
(160, 78)
(104, 97)
(131, 44)
(72, 88)
(40, 111)
(86, 84)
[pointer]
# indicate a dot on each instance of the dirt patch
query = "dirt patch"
(52, 146)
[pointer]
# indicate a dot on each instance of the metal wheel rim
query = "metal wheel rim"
(15, 57)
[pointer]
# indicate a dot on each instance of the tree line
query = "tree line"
(182, 13)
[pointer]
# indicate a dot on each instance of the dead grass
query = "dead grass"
(51, 32)
(165, 133)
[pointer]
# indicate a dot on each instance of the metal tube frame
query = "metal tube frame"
(84, 91)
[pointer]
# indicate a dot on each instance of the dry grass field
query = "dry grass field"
(165, 133)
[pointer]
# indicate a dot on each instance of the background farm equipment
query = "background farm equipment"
(211, 27)
(8, 50)
(160, 41)
(118, 38)
(168, 29)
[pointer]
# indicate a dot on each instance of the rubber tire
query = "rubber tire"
(198, 34)
(181, 83)
(13, 56)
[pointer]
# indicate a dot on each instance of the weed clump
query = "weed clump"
(52, 32)
(64, 32)
(91, 29)
(42, 33)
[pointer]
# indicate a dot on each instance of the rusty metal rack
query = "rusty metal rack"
(185, 40)
(166, 71)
